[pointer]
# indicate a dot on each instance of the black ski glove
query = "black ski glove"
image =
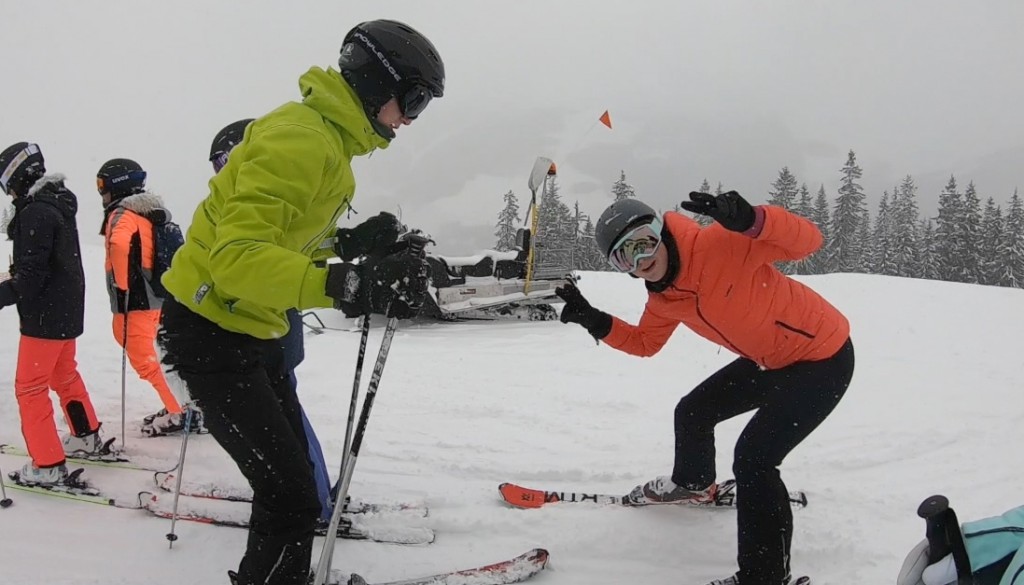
(374, 237)
(578, 310)
(398, 280)
(728, 209)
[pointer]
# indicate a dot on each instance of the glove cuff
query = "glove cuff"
(344, 285)
(598, 323)
(755, 229)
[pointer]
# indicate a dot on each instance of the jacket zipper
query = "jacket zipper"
(730, 344)
(794, 330)
(320, 236)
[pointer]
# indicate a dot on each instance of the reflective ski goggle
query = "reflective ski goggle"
(637, 244)
(12, 167)
(219, 161)
(415, 100)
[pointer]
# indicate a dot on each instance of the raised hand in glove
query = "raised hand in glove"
(728, 209)
(578, 310)
(374, 237)
(398, 281)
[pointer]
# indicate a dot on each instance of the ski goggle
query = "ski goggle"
(133, 178)
(637, 244)
(219, 161)
(12, 167)
(415, 100)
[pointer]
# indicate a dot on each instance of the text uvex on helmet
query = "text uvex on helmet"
(121, 177)
(384, 59)
(225, 140)
(620, 217)
(21, 165)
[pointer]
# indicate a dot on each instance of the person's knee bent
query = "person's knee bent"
(689, 415)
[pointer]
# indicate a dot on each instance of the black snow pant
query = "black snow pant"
(791, 402)
(251, 409)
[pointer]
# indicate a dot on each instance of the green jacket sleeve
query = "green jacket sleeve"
(284, 169)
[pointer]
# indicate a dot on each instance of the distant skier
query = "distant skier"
(796, 355)
(251, 254)
(129, 213)
(48, 285)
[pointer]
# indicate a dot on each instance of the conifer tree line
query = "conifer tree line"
(969, 240)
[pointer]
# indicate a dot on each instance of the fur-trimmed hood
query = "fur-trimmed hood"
(50, 189)
(146, 203)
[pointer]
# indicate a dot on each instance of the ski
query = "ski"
(114, 459)
(515, 570)
(73, 488)
(166, 481)
(373, 527)
(522, 497)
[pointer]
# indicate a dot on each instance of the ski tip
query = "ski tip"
(539, 555)
(520, 497)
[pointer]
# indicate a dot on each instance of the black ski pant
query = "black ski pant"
(791, 402)
(251, 409)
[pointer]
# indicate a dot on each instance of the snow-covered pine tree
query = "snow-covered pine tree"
(993, 243)
(970, 227)
(906, 244)
(1013, 253)
(556, 232)
(864, 236)
(508, 223)
(883, 256)
(621, 189)
(803, 208)
(846, 249)
(950, 244)
(819, 262)
(783, 190)
(930, 267)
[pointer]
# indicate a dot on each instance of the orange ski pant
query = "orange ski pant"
(44, 364)
(141, 349)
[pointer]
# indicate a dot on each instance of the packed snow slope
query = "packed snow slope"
(934, 407)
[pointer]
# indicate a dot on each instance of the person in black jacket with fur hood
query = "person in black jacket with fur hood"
(48, 285)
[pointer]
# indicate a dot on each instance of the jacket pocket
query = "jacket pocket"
(794, 330)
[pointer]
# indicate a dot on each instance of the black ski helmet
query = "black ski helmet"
(382, 59)
(619, 218)
(121, 177)
(228, 138)
(21, 165)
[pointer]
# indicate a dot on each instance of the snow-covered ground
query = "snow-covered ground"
(935, 407)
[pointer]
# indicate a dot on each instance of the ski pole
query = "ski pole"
(364, 336)
(323, 567)
(5, 502)
(124, 364)
(171, 536)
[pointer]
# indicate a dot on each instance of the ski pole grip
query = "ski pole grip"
(934, 511)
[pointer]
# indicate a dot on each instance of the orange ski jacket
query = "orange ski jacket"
(128, 238)
(729, 292)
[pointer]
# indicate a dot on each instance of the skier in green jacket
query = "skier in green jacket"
(254, 251)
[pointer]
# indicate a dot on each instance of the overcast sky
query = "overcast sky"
(728, 91)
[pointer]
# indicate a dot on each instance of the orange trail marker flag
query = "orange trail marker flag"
(606, 119)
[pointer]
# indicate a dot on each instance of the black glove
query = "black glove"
(373, 237)
(398, 281)
(728, 209)
(578, 310)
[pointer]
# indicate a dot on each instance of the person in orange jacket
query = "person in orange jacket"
(48, 286)
(129, 213)
(796, 358)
